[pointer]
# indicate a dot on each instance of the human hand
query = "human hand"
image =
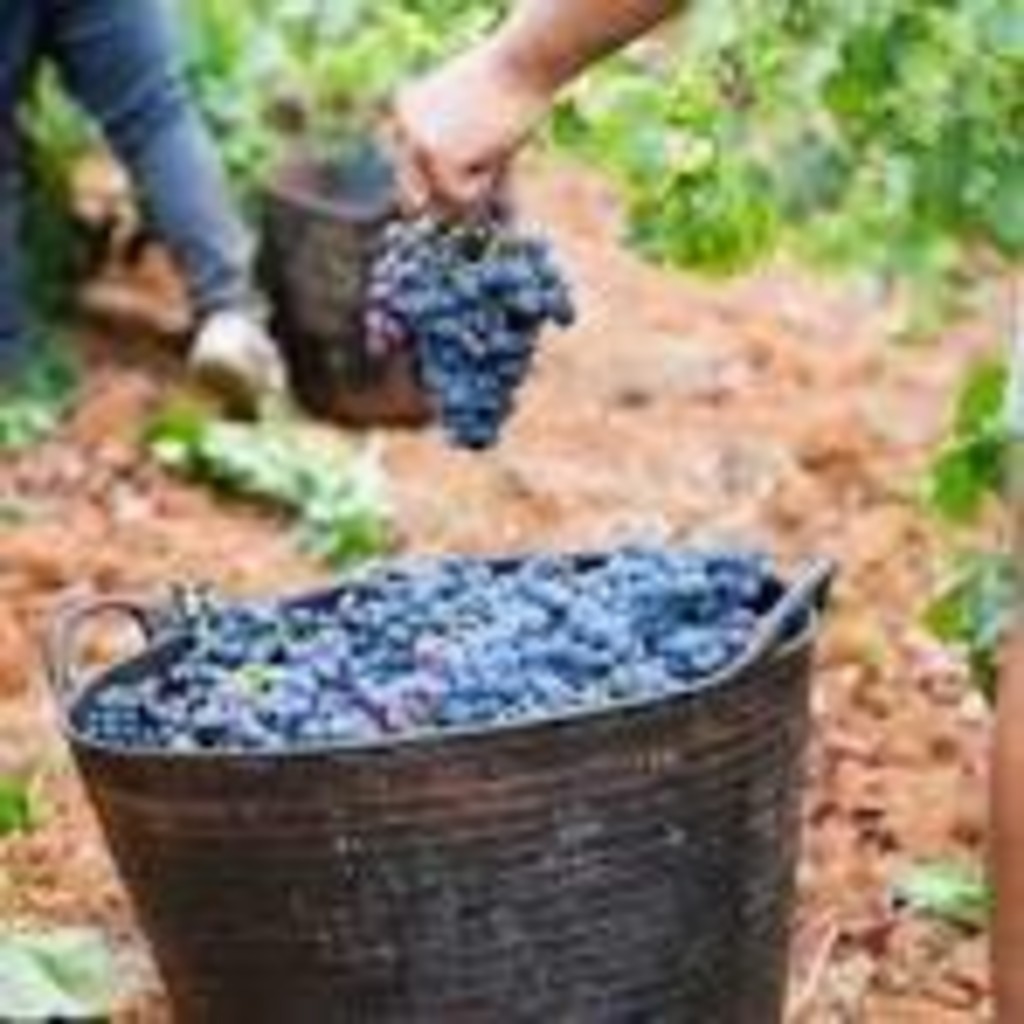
(458, 130)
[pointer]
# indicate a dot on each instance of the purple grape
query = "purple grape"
(438, 644)
(471, 302)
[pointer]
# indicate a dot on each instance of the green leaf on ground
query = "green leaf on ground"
(336, 496)
(958, 894)
(14, 512)
(65, 974)
(17, 806)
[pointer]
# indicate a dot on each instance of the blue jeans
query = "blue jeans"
(120, 60)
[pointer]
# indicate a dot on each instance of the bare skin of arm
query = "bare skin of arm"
(1007, 834)
(553, 41)
(459, 128)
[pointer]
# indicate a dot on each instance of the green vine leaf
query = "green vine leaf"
(971, 612)
(970, 467)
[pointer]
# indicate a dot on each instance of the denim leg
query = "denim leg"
(121, 59)
(12, 312)
(18, 48)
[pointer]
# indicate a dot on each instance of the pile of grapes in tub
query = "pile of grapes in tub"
(415, 647)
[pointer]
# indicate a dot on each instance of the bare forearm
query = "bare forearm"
(1008, 834)
(460, 127)
(552, 41)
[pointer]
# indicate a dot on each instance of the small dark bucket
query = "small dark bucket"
(633, 865)
(321, 222)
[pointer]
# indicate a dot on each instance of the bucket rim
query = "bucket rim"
(811, 588)
(288, 184)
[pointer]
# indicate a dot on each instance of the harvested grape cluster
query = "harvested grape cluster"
(469, 302)
(440, 644)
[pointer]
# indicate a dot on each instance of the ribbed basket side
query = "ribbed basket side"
(314, 261)
(625, 867)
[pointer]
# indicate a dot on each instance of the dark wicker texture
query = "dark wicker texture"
(630, 866)
(321, 221)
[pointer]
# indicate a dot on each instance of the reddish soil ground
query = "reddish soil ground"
(771, 409)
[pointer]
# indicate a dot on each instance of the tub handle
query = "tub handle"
(60, 648)
(809, 591)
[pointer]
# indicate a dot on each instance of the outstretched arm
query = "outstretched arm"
(552, 41)
(459, 128)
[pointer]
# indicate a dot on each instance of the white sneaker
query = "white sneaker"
(235, 357)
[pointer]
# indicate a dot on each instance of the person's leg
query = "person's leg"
(18, 43)
(12, 314)
(121, 60)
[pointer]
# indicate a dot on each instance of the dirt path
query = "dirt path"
(770, 409)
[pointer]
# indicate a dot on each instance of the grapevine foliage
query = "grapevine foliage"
(970, 467)
(884, 135)
(972, 610)
(330, 67)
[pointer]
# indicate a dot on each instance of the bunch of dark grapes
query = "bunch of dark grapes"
(469, 301)
(440, 644)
